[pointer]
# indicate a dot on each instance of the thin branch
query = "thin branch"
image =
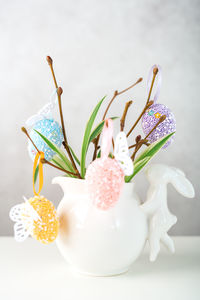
(137, 139)
(123, 118)
(148, 103)
(132, 146)
(26, 133)
(59, 93)
(113, 144)
(145, 140)
(65, 143)
(109, 104)
(130, 87)
(50, 62)
(162, 118)
(116, 93)
(155, 72)
(44, 161)
(137, 147)
(140, 116)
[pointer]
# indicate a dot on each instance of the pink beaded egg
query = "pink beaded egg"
(104, 176)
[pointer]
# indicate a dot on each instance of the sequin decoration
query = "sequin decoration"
(45, 229)
(164, 128)
(105, 179)
(150, 112)
(157, 115)
(50, 129)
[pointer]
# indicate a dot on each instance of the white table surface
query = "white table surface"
(31, 270)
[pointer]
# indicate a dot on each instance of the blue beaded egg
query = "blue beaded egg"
(151, 118)
(51, 130)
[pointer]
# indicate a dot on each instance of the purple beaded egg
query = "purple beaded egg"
(151, 118)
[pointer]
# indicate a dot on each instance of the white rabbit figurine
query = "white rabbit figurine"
(156, 208)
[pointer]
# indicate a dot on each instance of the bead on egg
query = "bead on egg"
(104, 176)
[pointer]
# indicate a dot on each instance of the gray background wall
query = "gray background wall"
(97, 46)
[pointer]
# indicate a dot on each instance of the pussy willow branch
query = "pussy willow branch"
(140, 116)
(116, 93)
(50, 62)
(145, 140)
(155, 72)
(28, 136)
(59, 93)
(123, 118)
(137, 139)
(44, 160)
(133, 146)
(65, 143)
(148, 103)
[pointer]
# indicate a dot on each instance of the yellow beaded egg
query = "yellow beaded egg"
(45, 229)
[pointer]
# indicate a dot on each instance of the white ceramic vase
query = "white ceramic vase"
(105, 243)
(98, 242)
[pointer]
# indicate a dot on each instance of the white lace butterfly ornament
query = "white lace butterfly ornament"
(121, 154)
(36, 216)
(24, 215)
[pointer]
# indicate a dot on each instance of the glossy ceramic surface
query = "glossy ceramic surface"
(97, 242)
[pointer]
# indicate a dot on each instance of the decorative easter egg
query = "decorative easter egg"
(104, 176)
(50, 129)
(45, 228)
(105, 179)
(151, 118)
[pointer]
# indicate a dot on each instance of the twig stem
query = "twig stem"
(65, 143)
(59, 93)
(148, 103)
(50, 62)
(140, 116)
(44, 161)
(26, 133)
(145, 140)
(123, 118)
(116, 93)
(155, 71)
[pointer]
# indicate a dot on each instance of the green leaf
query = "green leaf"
(74, 155)
(152, 149)
(86, 137)
(98, 130)
(137, 167)
(36, 174)
(147, 155)
(59, 162)
(60, 153)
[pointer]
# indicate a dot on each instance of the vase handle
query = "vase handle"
(156, 208)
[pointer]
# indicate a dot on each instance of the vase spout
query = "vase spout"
(70, 186)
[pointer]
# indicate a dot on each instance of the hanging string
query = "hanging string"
(106, 138)
(39, 156)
